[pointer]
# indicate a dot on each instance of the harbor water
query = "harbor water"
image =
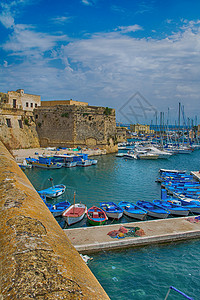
(134, 273)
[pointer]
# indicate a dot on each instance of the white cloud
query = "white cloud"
(86, 2)
(108, 68)
(61, 19)
(131, 28)
(24, 39)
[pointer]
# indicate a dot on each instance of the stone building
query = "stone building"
(17, 125)
(121, 134)
(71, 124)
(141, 129)
(19, 100)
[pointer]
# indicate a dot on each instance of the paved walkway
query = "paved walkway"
(91, 239)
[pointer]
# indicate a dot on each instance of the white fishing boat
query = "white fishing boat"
(84, 163)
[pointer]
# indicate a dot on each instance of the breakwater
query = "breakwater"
(37, 259)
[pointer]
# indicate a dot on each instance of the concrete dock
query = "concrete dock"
(92, 239)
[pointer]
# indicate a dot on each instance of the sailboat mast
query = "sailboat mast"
(74, 203)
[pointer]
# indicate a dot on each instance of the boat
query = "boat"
(96, 216)
(145, 155)
(46, 163)
(58, 208)
(75, 213)
(133, 211)
(53, 191)
(153, 210)
(112, 210)
(172, 171)
(155, 151)
(119, 155)
(93, 161)
(130, 155)
(84, 163)
(68, 160)
(24, 165)
(174, 209)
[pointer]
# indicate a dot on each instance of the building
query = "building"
(73, 123)
(19, 100)
(141, 129)
(17, 124)
(121, 134)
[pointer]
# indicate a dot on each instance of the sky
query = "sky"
(139, 57)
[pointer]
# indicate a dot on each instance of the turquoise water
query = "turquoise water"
(143, 273)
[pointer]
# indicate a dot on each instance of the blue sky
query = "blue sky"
(139, 57)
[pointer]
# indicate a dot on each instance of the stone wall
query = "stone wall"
(72, 125)
(18, 129)
(37, 259)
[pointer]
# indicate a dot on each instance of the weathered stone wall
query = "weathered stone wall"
(22, 131)
(55, 125)
(72, 125)
(37, 259)
(121, 134)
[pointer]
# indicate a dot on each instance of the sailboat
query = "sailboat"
(75, 213)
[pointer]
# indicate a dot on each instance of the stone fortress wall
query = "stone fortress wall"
(26, 122)
(76, 125)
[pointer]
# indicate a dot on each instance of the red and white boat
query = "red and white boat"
(75, 213)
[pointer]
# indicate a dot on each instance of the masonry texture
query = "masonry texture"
(73, 125)
(37, 259)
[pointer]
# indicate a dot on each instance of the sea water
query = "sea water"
(135, 273)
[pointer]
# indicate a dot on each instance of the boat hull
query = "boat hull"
(157, 215)
(135, 215)
(46, 166)
(114, 215)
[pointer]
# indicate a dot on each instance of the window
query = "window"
(31, 104)
(8, 121)
(26, 104)
(35, 104)
(20, 123)
(14, 103)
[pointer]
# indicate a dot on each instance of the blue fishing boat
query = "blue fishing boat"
(174, 209)
(45, 163)
(112, 210)
(133, 211)
(153, 210)
(54, 191)
(58, 209)
(193, 206)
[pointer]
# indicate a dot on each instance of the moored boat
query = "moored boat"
(84, 163)
(58, 209)
(45, 163)
(174, 209)
(53, 191)
(74, 213)
(153, 210)
(96, 216)
(133, 211)
(112, 210)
